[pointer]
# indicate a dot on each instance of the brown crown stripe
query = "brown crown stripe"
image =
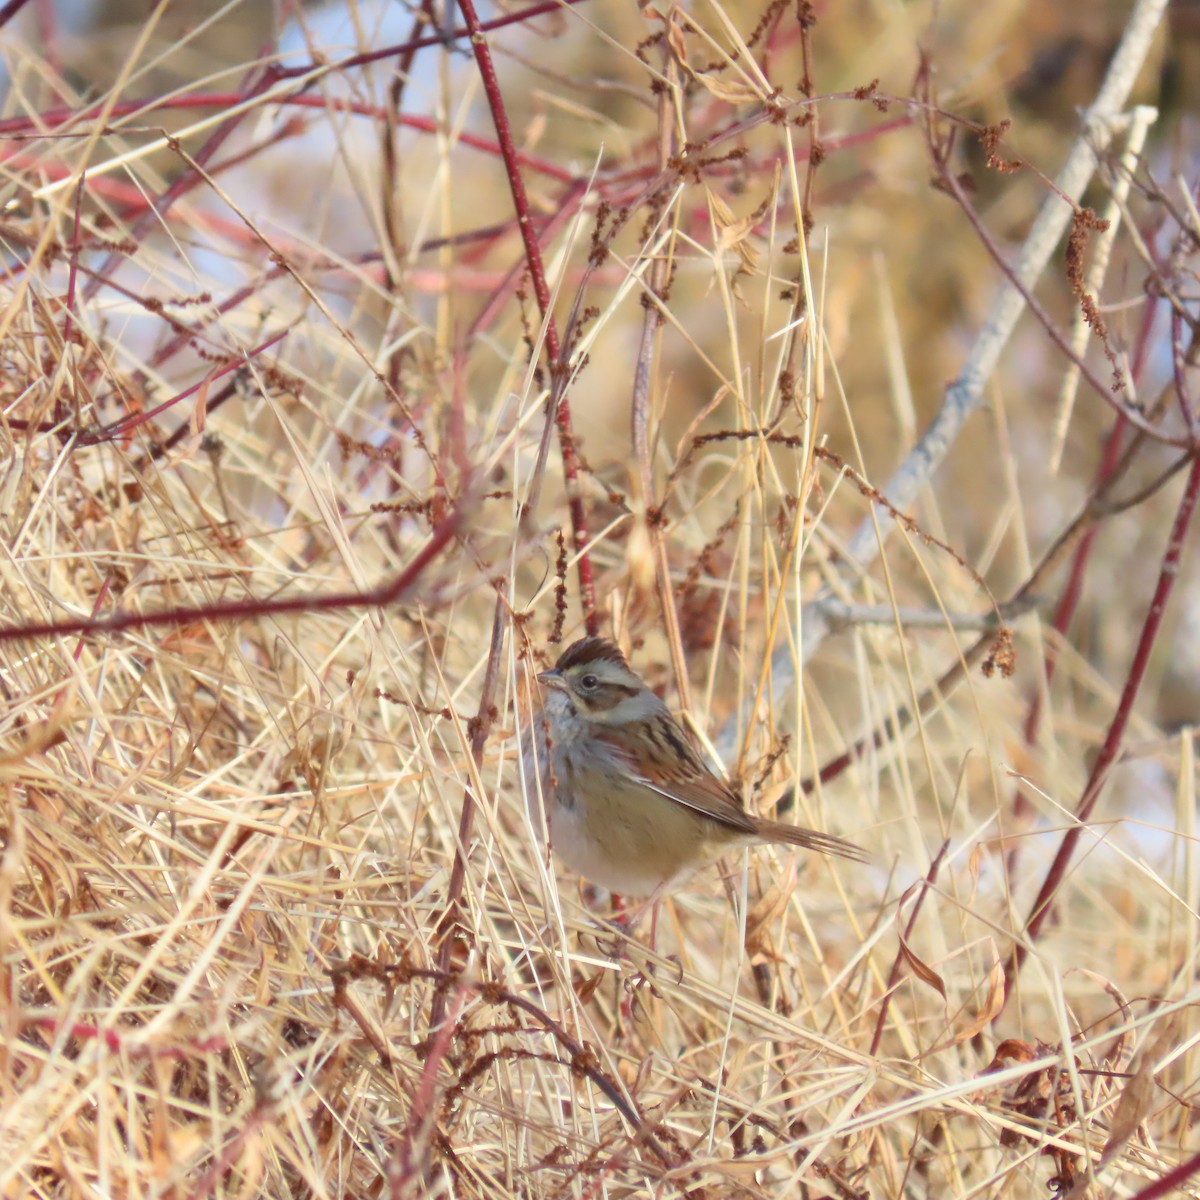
(590, 650)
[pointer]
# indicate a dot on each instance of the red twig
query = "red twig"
(116, 1041)
(583, 1060)
(533, 258)
(181, 184)
(1069, 600)
(185, 335)
(240, 610)
(1116, 731)
(13, 126)
(211, 404)
(124, 426)
(1168, 1184)
(10, 10)
(411, 1160)
(1110, 458)
(1102, 388)
(439, 39)
(565, 208)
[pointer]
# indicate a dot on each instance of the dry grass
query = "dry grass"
(235, 894)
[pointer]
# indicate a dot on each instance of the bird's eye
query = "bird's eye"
(589, 682)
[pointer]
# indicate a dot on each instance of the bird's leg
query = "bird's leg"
(652, 904)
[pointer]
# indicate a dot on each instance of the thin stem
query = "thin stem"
(657, 282)
(480, 727)
(583, 1059)
(124, 426)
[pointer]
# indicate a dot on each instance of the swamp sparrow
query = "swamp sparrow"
(629, 802)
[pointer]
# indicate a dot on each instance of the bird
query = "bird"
(629, 803)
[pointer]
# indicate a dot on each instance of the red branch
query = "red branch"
(240, 610)
(1068, 602)
(123, 426)
(116, 1041)
(10, 10)
(436, 39)
(410, 1163)
(480, 727)
(187, 179)
(537, 273)
(1166, 1185)
(53, 118)
(1116, 731)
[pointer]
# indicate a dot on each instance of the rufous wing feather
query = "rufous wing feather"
(673, 769)
(668, 765)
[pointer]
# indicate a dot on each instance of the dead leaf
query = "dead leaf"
(721, 211)
(1012, 1051)
(732, 231)
(975, 861)
(993, 1006)
(732, 91)
(1138, 1097)
(675, 39)
(761, 917)
(585, 989)
(922, 970)
(199, 413)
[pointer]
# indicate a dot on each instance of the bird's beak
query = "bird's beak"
(552, 679)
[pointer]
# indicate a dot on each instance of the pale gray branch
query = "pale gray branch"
(965, 394)
(842, 615)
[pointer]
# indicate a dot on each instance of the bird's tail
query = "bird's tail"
(796, 835)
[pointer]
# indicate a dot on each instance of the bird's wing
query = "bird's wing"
(658, 754)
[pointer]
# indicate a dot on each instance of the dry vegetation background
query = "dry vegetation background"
(287, 531)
